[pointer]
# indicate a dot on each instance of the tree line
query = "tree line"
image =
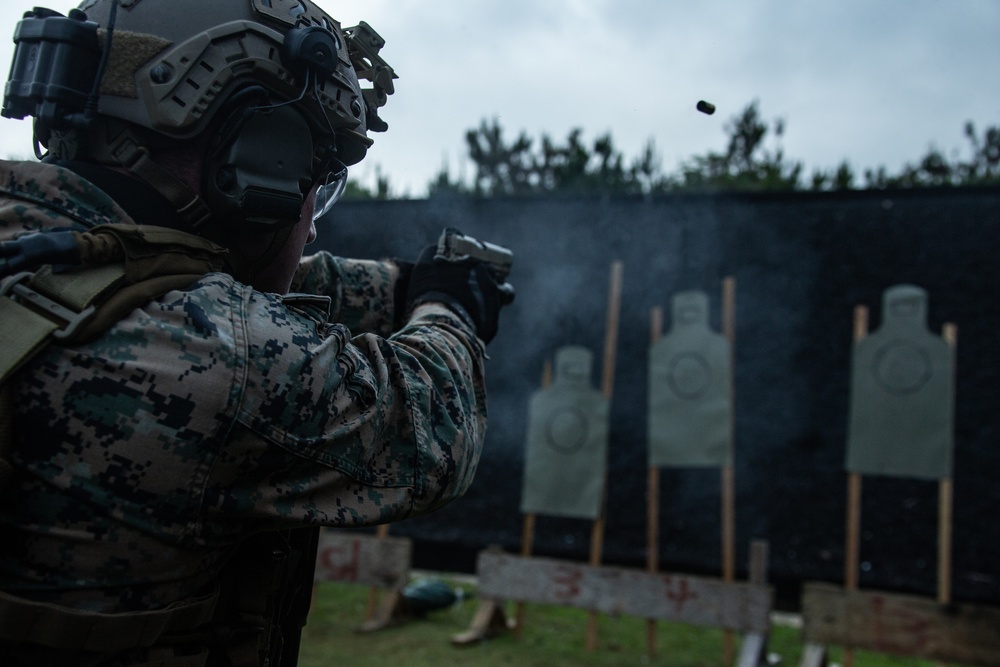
(751, 161)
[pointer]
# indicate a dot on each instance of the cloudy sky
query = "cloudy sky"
(874, 82)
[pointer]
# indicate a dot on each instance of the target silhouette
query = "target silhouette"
(902, 389)
(567, 439)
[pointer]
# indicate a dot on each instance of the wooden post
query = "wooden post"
(759, 557)
(945, 497)
(945, 493)
(728, 476)
(527, 544)
(728, 547)
(547, 374)
(528, 530)
(853, 531)
(653, 500)
(853, 548)
(754, 650)
(373, 593)
(611, 331)
(528, 534)
(607, 388)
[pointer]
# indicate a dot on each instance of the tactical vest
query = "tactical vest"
(69, 288)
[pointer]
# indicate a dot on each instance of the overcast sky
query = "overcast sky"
(874, 82)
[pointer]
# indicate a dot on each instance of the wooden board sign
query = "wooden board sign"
(613, 590)
(356, 558)
(902, 625)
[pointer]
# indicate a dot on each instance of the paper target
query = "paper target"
(566, 453)
(901, 412)
(689, 402)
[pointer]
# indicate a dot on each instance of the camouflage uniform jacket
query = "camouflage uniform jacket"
(143, 459)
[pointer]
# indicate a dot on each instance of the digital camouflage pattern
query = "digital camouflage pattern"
(144, 459)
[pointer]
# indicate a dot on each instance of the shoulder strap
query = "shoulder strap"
(38, 307)
(121, 268)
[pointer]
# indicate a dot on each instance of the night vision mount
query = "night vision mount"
(363, 44)
(57, 60)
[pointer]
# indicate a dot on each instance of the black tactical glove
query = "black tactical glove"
(467, 284)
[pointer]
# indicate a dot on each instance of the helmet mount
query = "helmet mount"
(312, 48)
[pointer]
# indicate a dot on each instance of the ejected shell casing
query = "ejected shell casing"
(706, 107)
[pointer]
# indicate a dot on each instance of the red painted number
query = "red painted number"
(342, 562)
(567, 580)
(679, 591)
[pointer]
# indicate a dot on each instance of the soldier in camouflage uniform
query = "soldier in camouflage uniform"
(147, 456)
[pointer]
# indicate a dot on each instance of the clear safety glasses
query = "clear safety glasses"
(329, 192)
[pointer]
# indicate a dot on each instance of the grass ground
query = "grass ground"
(552, 637)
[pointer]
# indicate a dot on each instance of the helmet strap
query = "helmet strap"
(190, 206)
(125, 150)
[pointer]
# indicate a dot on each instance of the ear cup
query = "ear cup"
(259, 166)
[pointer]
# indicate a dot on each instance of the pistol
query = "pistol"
(453, 246)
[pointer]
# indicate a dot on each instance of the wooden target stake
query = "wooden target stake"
(653, 500)
(945, 497)
(728, 477)
(852, 548)
(607, 388)
(373, 593)
(528, 529)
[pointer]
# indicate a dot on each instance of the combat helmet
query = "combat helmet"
(271, 87)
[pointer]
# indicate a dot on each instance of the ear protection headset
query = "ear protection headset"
(264, 157)
(259, 166)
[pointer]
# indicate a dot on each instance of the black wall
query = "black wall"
(801, 261)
